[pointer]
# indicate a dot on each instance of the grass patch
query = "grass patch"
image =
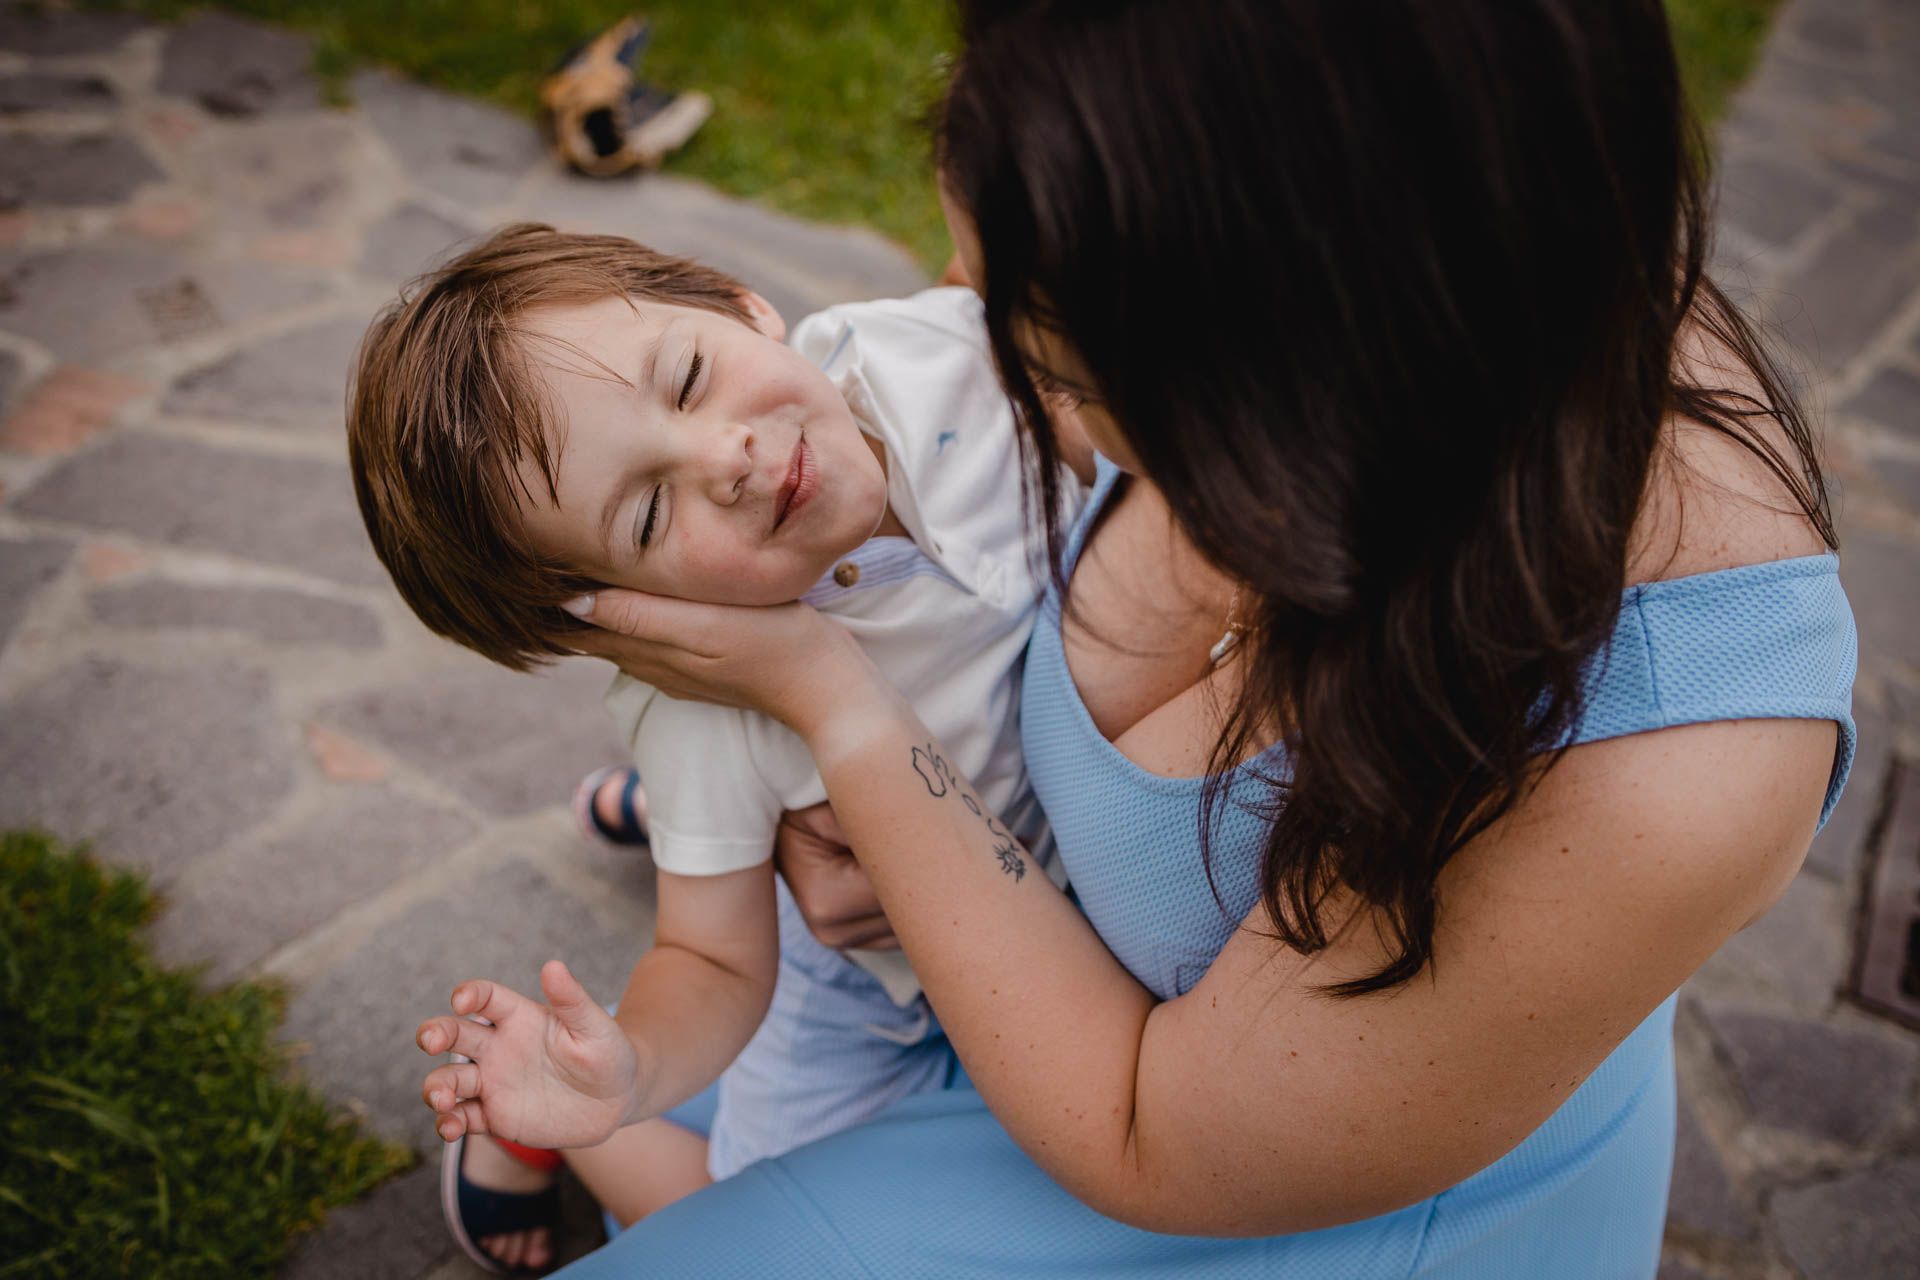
(148, 1127)
(817, 102)
(1717, 41)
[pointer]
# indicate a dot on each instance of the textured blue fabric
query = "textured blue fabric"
(934, 1186)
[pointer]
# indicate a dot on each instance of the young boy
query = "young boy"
(549, 413)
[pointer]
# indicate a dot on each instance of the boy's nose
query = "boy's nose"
(729, 464)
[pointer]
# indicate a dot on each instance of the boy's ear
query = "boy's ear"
(764, 317)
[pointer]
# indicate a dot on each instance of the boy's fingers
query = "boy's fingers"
(473, 1117)
(452, 1035)
(568, 999)
(486, 1000)
(447, 1085)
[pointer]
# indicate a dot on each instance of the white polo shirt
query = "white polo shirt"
(944, 615)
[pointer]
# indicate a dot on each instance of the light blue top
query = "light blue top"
(934, 1187)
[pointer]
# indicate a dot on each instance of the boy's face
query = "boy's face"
(718, 465)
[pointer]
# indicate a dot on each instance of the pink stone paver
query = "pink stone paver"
(67, 406)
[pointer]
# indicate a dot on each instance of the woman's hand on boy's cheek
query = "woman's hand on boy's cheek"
(832, 891)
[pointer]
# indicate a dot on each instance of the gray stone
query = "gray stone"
(1898, 479)
(295, 512)
(1842, 1086)
(408, 241)
(272, 614)
(157, 765)
(105, 298)
(1831, 32)
(1865, 1226)
(59, 33)
(395, 1233)
(72, 169)
(359, 1019)
(298, 378)
(1837, 849)
(236, 67)
(25, 567)
(1892, 399)
(1882, 577)
(1702, 1199)
(1855, 285)
(277, 172)
(9, 374)
(508, 743)
(40, 91)
(237, 908)
(799, 267)
(465, 150)
(1798, 950)
(1769, 200)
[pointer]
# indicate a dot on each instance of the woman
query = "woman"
(1462, 571)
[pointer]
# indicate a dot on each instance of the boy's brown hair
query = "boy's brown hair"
(443, 405)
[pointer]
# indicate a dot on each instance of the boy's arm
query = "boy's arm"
(695, 999)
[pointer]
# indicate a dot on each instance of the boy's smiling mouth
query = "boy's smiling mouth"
(802, 481)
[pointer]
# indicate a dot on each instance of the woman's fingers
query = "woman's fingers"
(446, 1034)
(447, 1085)
(640, 616)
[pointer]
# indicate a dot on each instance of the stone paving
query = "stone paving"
(203, 671)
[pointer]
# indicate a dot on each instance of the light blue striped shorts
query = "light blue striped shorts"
(833, 1051)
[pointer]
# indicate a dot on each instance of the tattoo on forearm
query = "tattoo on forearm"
(941, 781)
(933, 770)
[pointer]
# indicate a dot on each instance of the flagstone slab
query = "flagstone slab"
(233, 66)
(509, 743)
(295, 379)
(72, 169)
(59, 33)
(1805, 1077)
(156, 765)
(1865, 1226)
(410, 240)
(238, 906)
(394, 1233)
(42, 91)
(273, 615)
(467, 151)
(294, 512)
(109, 297)
(26, 565)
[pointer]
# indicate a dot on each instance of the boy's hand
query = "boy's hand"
(560, 1074)
(832, 891)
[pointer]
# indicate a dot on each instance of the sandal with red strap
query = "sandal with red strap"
(473, 1212)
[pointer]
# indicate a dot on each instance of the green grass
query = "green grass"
(147, 1127)
(1717, 41)
(817, 102)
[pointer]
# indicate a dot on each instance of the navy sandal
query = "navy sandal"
(473, 1212)
(631, 830)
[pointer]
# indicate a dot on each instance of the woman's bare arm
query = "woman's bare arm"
(1254, 1105)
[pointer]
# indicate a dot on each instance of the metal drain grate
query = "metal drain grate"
(1887, 950)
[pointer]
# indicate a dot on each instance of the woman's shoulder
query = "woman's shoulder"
(1714, 501)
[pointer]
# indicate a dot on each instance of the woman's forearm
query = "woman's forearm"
(1047, 1022)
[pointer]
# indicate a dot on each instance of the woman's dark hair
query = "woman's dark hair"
(1385, 296)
